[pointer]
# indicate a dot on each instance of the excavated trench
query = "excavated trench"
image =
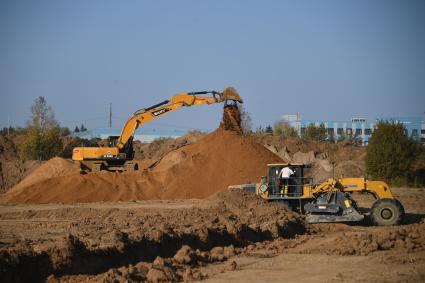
(233, 217)
(76, 258)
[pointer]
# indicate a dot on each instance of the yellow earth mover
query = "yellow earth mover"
(119, 154)
(329, 201)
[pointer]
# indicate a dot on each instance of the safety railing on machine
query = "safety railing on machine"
(289, 187)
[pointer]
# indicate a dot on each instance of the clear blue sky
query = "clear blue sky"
(322, 59)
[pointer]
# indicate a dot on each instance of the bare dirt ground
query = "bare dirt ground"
(340, 252)
(59, 226)
(231, 236)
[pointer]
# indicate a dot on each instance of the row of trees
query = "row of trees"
(80, 129)
(310, 133)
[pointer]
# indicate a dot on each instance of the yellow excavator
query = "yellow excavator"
(329, 201)
(118, 156)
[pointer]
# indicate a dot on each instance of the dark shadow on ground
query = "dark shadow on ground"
(411, 218)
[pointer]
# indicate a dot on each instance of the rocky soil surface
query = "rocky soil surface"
(175, 220)
(231, 236)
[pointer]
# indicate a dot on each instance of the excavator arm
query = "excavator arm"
(146, 115)
(120, 151)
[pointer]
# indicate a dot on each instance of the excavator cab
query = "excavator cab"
(126, 152)
(113, 140)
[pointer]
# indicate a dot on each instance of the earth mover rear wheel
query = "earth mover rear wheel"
(387, 212)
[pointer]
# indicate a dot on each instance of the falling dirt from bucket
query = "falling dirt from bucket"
(231, 119)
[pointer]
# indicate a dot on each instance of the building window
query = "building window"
(422, 139)
(340, 131)
(368, 132)
(330, 131)
(349, 131)
(358, 132)
(423, 131)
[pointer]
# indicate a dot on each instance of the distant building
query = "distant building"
(358, 128)
(423, 133)
(145, 136)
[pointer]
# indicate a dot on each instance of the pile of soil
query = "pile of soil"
(198, 170)
(54, 167)
(210, 165)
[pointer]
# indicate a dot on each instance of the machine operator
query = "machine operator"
(284, 175)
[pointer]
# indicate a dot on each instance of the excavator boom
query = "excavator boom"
(146, 115)
(120, 151)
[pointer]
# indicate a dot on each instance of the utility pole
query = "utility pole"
(8, 125)
(110, 115)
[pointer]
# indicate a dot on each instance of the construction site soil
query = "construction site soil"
(230, 236)
(175, 220)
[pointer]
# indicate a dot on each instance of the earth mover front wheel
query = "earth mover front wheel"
(387, 212)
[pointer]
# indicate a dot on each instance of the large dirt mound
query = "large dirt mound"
(220, 159)
(198, 170)
(54, 167)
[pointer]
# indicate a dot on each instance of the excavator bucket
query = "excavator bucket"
(230, 93)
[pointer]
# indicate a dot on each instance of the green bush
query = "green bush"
(390, 153)
(41, 145)
(64, 131)
(43, 136)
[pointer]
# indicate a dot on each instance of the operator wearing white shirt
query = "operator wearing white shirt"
(284, 174)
